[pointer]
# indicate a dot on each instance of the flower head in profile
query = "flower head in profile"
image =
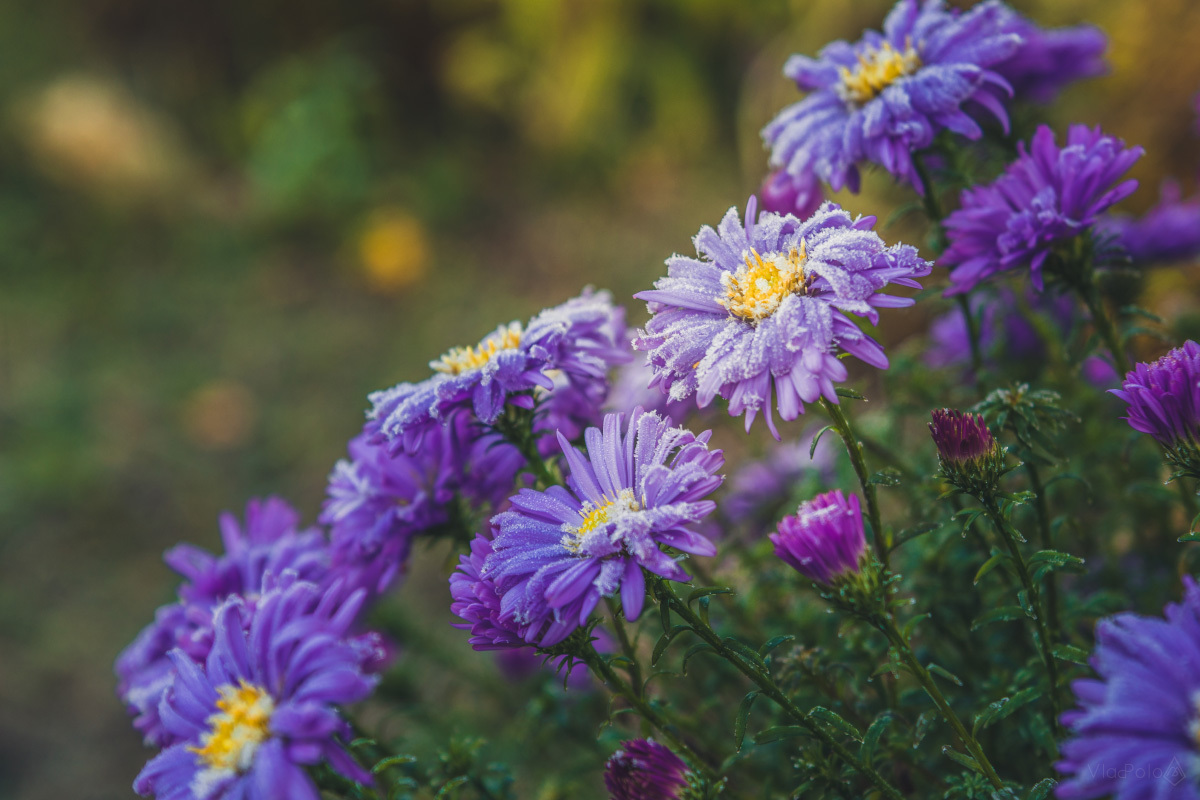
(888, 95)
(641, 486)
(1164, 402)
(970, 457)
(1141, 712)
(379, 500)
(798, 195)
(247, 720)
(1168, 233)
(580, 339)
(1049, 59)
(824, 539)
(643, 769)
(1047, 197)
(257, 553)
(764, 309)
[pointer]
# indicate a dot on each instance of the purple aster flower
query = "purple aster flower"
(765, 309)
(264, 704)
(760, 487)
(256, 555)
(379, 500)
(888, 95)
(1164, 402)
(824, 539)
(643, 769)
(1169, 232)
(1135, 732)
(1048, 60)
(556, 553)
(1048, 196)
(798, 195)
(579, 338)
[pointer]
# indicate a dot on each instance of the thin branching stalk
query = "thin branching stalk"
(855, 449)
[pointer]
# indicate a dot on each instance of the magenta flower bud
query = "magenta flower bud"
(643, 769)
(823, 540)
(783, 193)
(971, 458)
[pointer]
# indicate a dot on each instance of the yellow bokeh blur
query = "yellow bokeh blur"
(393, 250)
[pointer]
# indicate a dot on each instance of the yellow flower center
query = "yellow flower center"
(237, 729)
(464, 359)
(755, 291)
(876, 71)
(595, 516)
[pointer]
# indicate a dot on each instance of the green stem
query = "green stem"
(1044, 642)
(603, 670)
(887, 626)
(768, 687)
(1046, 537)
(855, 449)
(1104, 325)
(516, 426)
(635, 668)
(972, 336)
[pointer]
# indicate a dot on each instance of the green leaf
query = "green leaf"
(696, 594)
(1070, 653)
(779, 732)
(771, 644)
(1001, 614)
(987, 716)
(832, 720)
(924, 722)
(1021, 698)
(842, 391)
(888, 476)
(1055, 557)
(990, 564)
(874, 733)
(1137, 311)
(452, 784)
(743, 717)
(746, 653)
(911, 625)
(392, 761)
(812, 450)
(961, 758)
(695, 650)
(1041, 789)
(660, 647)
(908, 534)
(938, 669)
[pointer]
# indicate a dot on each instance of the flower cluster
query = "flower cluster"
(1049, 196)
(764, 309)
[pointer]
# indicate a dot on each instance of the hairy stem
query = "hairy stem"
(603, 670)
(887, 626)
(1033, 597)
(1104, 325)
(855, 449)
(1046, 538)
(635, 667)
(770, 688)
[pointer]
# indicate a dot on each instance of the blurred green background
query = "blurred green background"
(223, 223)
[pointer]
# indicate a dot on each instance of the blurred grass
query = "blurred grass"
(222, 224)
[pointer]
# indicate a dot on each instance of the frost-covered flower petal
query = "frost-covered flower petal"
(641, 485)
(762, 313)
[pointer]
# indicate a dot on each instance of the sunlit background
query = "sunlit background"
(223, 223)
